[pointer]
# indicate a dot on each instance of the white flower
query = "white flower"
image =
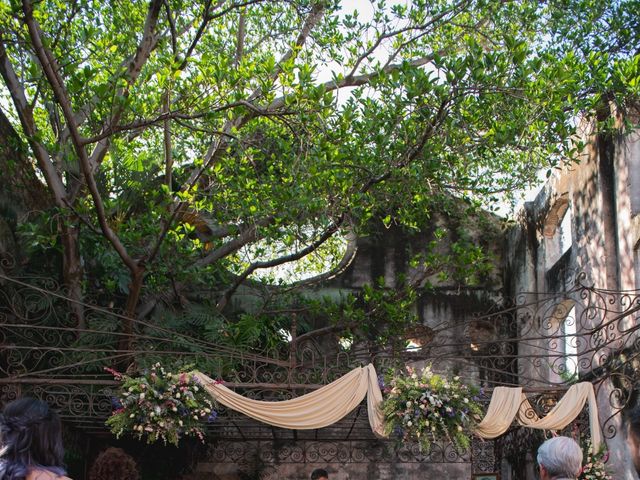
(178, 395)
(459, 428)
(142, 396)
(409, 423)
(465, 400)
(456, 378)
(414, 376)
(180, 422)
(423, 406)
(409, 404)
(131, 416)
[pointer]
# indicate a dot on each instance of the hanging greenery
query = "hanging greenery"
(424, 406)
(161, 406)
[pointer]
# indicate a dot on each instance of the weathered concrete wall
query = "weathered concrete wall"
(601, 194)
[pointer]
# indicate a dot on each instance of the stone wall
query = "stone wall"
(585, 219)
(343, 461)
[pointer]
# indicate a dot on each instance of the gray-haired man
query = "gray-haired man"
(559, 458)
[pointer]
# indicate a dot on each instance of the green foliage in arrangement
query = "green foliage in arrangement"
(423, 406)
(161, 405)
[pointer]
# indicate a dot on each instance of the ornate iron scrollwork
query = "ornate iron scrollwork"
(541, 342)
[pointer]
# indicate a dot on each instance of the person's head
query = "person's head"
(633, 436)
(559, 457)
(31, 436)
(114, 463)
(319, 474)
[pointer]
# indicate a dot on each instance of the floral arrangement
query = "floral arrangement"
(160, 405)
(424, 406)
(593, 466)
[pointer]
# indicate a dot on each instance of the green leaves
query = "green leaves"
(275, 131)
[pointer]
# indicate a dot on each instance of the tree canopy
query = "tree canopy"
(189, 145)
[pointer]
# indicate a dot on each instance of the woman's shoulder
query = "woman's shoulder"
(45, 475)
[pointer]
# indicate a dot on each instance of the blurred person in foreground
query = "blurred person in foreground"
(30, 442)
(113, 464)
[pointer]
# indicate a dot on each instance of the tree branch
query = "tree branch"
(218, 147)
(196, 39)
(247, 235)
(358, 80)
(309, 24)
(49, 67)
(240, 38)
(172, 28)
(178, 115)
(25, 114)
(168, 156)
(145, 47)
(328, 233)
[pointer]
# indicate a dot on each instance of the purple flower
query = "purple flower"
(116, 403)
(381, 381)
(212, 416)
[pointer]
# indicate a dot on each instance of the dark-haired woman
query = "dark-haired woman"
(30, 442)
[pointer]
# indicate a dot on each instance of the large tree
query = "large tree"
(189, 145)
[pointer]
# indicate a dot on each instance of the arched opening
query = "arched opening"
(558, 231)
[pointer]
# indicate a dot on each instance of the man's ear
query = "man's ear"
(543, 472)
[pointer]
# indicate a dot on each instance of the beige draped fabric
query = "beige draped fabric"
(318, 409)
(332, 402)
(508, 404)
(503, 408)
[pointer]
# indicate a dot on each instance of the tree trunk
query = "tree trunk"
(126, 340)
(72, 270)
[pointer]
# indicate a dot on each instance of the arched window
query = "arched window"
(557, 231)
